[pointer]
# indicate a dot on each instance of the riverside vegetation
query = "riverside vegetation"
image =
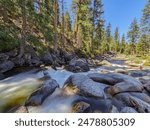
(76, 63)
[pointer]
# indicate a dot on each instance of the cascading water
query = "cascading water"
(15, 89)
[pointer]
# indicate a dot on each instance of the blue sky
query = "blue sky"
(120, 13)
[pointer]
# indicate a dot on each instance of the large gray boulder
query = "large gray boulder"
(78, 65)
(141, 96)
(81, 84)
(140, 105)
(114, 78)
(38, 97)
(124, 98)
(102, 78)
(6, 66)
(124, 87)
(124, 78)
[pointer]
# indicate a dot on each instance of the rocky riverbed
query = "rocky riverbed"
(114, 87)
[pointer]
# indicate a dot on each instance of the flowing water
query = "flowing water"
(16, 89)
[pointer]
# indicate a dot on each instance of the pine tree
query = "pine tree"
(55, 7)
(9, 27)
(108, 39)
(146, 18)
(123, 43)
(133, 35)
(142, 47)
(82, 24)
(98, 24)
(116, 40)
(63, 23)
(67, 22)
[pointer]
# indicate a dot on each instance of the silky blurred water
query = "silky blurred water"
(16, 89)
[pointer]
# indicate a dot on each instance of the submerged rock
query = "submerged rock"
(38, 97)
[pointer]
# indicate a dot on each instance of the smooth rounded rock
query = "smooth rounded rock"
(83, 85)
(128, 110)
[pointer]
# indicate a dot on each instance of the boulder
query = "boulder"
(144, 80)
(98, 105)
(117, 103)
(123, 87)
(122, 71)
(47, 59)
(6, 66)
(80, 107)
(114, 78)
(57, 61)
(137, 73)
(1, 76)
(67, 57)
(41, 94)
(18, 61)
(113, 110)
(12, 53)
(78, 65)
(21, 109)
(141, 96)
(128, 110)
(147, 86)
(124, 98)
(102, 78)
(35, 62)
(124, 78)
(81, 84)
(139, 105)
(105, 62)
(3, 57)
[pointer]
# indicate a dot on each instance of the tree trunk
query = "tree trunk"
(24, 27)
(63, 25)
(55, 25)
